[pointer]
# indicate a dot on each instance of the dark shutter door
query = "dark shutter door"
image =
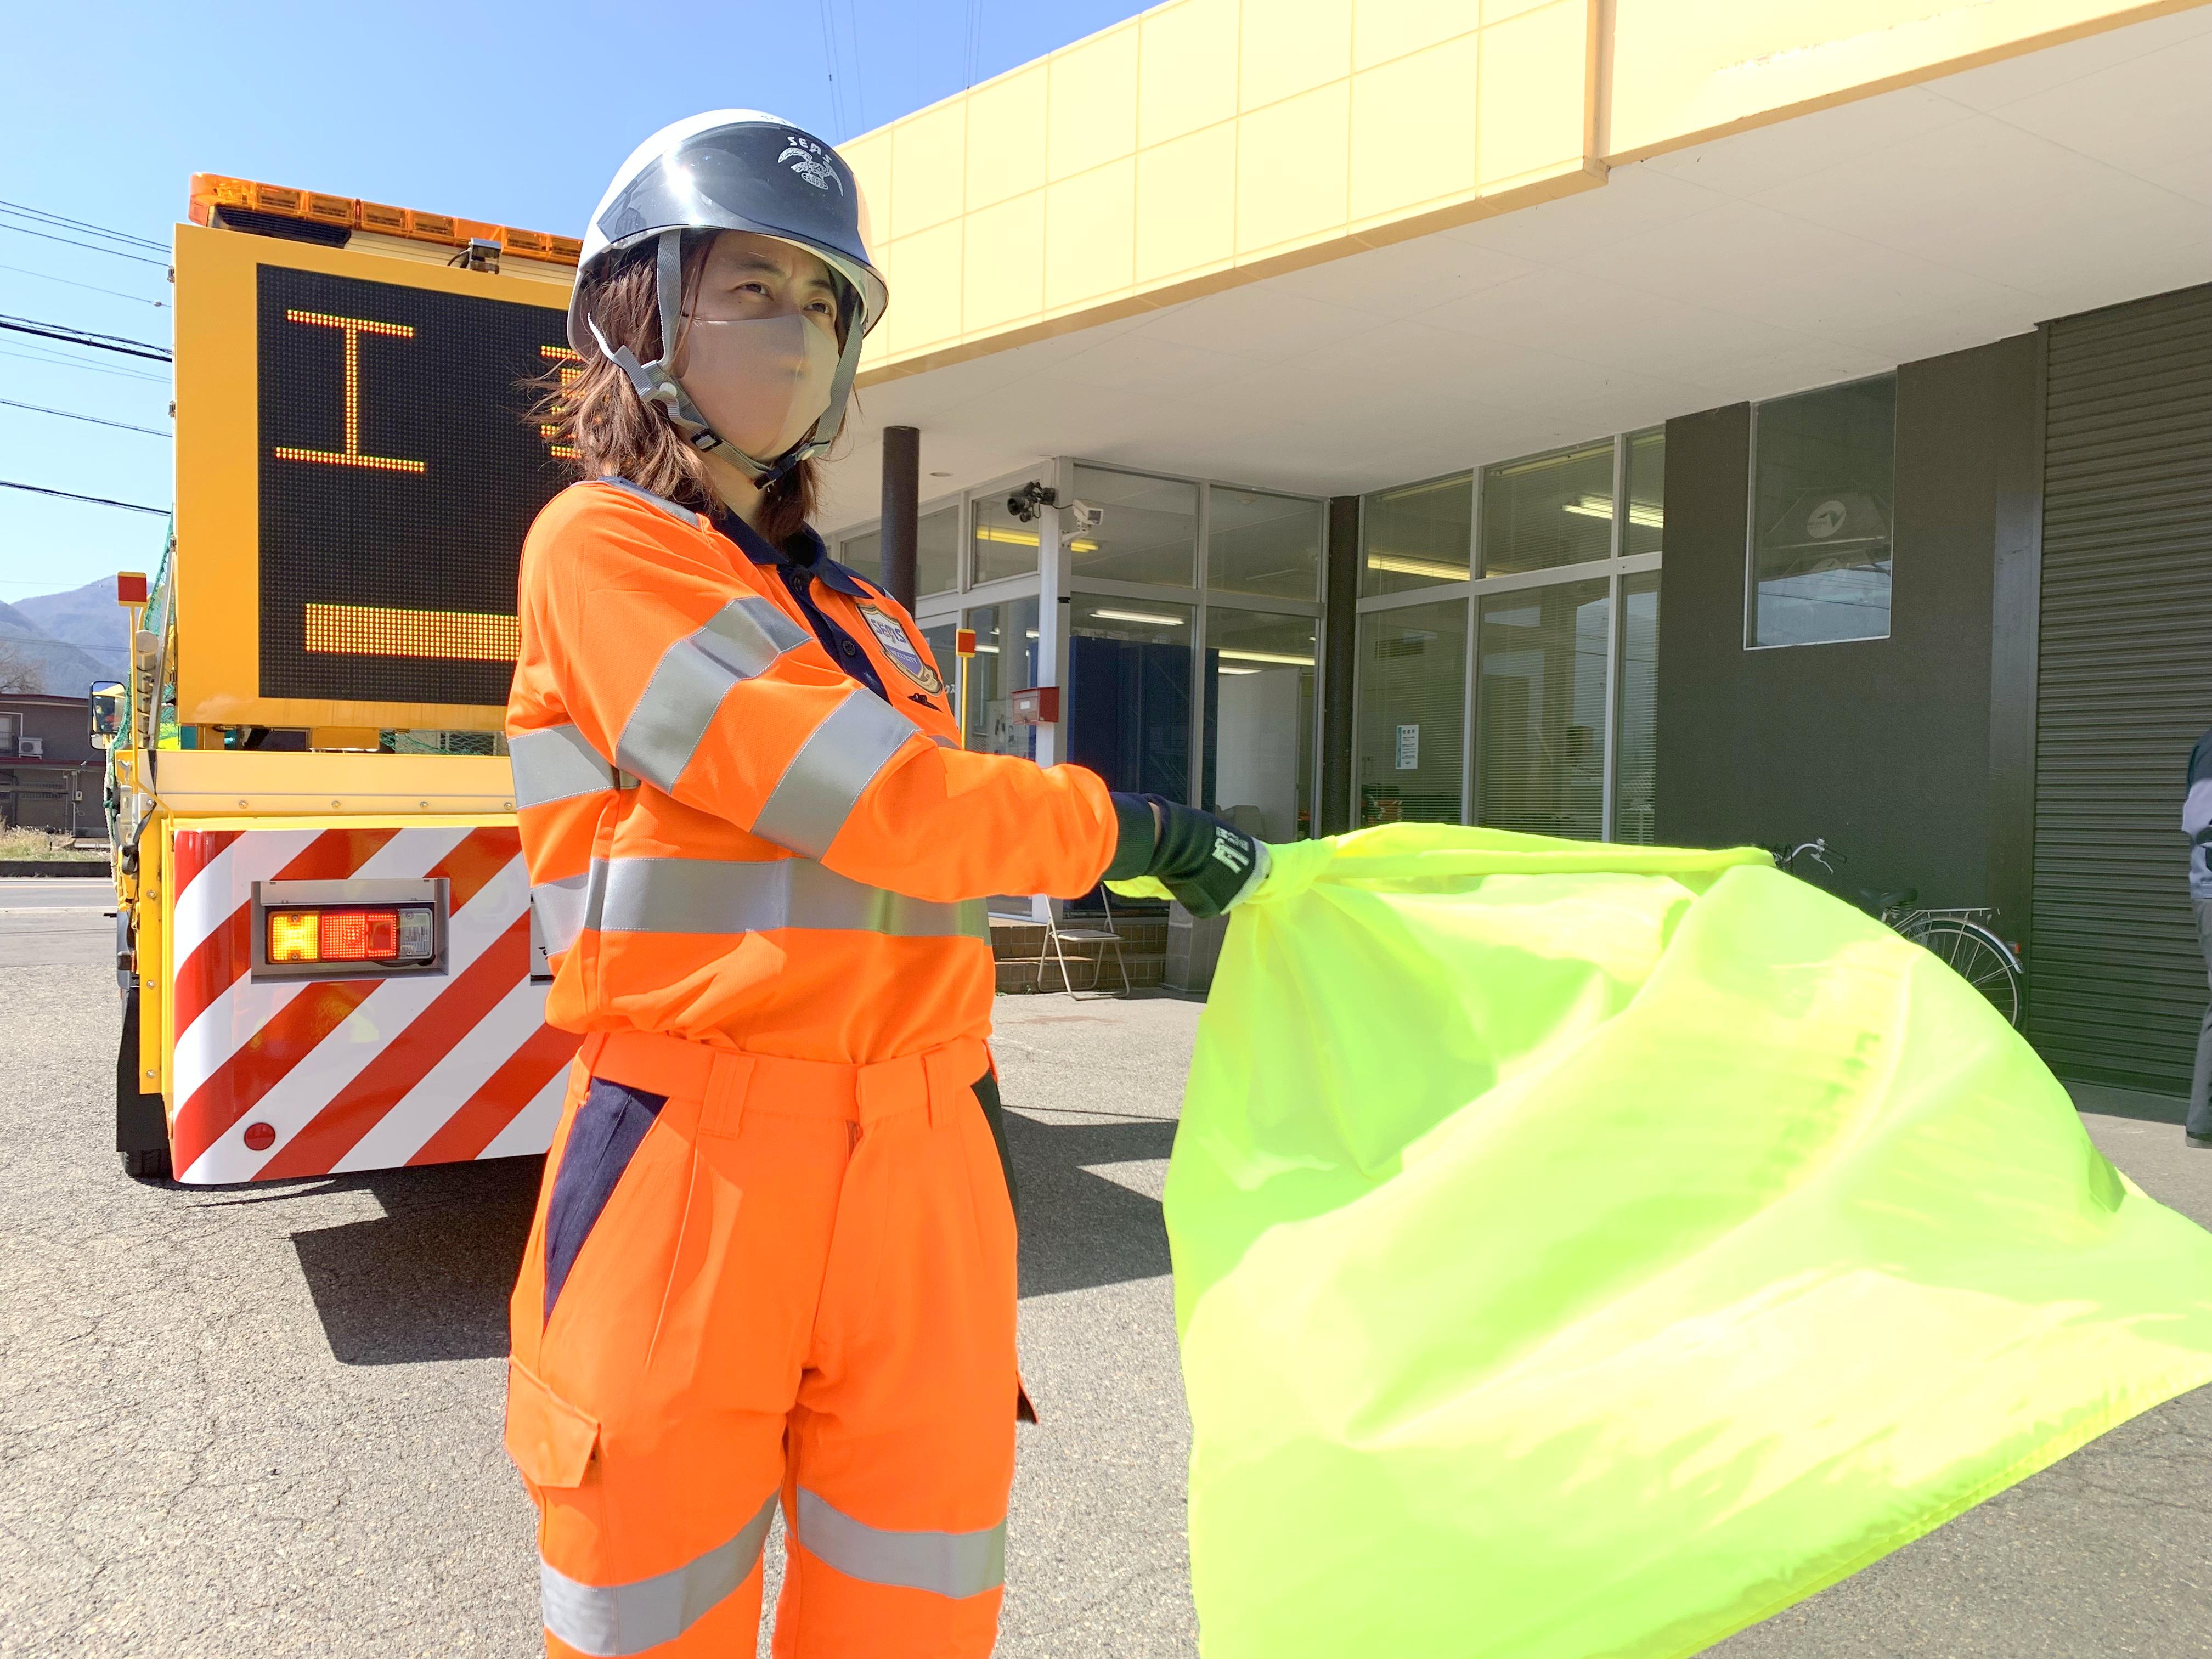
(2117, 979)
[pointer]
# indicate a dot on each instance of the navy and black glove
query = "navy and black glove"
(1207, 863)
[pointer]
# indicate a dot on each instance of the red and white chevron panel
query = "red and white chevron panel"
(282, 1077)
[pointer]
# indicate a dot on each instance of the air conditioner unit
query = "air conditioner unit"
(30, 749)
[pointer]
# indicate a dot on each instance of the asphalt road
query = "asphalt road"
(266, 1421)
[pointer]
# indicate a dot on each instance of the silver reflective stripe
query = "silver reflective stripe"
(702, 896)
(742, 640)
(623, 1618)
(954, 1563)
(559, 763)
(681, 514)
(560, 907)
(815, 793)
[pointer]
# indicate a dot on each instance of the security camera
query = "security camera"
(1031, 499)
(1084, 516)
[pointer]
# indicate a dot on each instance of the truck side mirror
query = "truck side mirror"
(106, 702)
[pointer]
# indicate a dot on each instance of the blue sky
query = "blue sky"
(511, 113)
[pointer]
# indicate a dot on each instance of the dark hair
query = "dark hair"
(604, 428)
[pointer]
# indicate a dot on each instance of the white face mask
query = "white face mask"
(760, 381)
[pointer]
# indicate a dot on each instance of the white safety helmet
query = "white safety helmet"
(731, 169)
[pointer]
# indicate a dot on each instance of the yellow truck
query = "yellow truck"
(324, 937)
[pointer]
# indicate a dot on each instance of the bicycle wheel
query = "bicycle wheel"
(1976, 956)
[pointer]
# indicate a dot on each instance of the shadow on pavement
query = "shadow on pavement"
(1080, 1230)
(429, 1279)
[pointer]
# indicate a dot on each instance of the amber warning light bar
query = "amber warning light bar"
(213, 192)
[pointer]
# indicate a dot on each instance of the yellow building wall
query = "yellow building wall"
(1743, 63)
(1207, 143)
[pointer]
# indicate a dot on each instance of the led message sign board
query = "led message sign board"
(357, 467)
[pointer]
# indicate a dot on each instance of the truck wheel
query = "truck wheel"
(141, 1125)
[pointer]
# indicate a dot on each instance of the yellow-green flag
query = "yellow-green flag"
(1588, 1250)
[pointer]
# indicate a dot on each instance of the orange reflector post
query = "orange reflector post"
(963, 642)
(130, 587)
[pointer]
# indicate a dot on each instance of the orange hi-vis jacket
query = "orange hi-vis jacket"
(734, 836)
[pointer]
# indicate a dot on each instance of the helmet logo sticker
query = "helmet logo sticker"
(810, 162)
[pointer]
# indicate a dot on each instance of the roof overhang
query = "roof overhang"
(1867, 202)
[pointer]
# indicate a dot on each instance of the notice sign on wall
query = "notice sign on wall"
(1409, 748)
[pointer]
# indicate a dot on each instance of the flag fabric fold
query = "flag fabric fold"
(1588, 1250)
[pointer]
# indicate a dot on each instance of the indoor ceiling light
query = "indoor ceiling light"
(1152, 616)
(992, 532)
(1267, 656)
(1405, 567)
(1596, 507)
(1226, 670)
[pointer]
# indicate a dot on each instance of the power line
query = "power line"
(829, 58)
(55, 359)
(93, 288)
(71, 495)
(860, 89)
(64, 221)
(46, 236)
(120, 344)
(69, 415)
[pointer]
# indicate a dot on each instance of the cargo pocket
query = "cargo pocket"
(550, 1441)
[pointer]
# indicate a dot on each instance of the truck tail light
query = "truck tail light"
(351, 934)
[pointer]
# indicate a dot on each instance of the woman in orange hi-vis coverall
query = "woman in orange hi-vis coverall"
(774, 1252)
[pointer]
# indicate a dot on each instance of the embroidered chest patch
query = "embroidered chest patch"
(898, 647)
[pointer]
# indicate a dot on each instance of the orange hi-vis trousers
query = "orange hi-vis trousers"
(753, 1276)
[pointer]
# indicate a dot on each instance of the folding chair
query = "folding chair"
(1106, 938)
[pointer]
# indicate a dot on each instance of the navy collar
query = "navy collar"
(803, 551)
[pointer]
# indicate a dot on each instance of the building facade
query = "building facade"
(1600, 421)
(50, 772)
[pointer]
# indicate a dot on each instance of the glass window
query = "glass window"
(937, 551)
(1647, 492)
(1638, 726)
(1128, 692)
(863, 553)
(1003, 545)
(1542, 756)
(1412, 714)
(1150, 534)
(1417, 535)
(937, 636)
(1826, 464)
(1268, 545)
(1006, 661)
(1548, 511)
(1259, 721)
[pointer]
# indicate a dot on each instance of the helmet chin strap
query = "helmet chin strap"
(656, 383)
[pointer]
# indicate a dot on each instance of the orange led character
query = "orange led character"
(353, 328)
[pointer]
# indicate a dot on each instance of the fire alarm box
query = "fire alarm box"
(1038, 706)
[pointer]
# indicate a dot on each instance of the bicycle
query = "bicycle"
(1961, 939)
